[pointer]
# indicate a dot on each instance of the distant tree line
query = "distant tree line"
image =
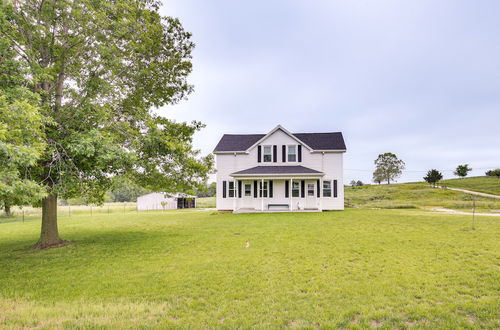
(355, 183)
(207, 190)
(495, 172)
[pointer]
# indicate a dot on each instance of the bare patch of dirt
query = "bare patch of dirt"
(355, 319)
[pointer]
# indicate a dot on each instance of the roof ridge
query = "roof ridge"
(243, 134)
(316, 132)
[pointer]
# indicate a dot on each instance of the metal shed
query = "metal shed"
(165, 201)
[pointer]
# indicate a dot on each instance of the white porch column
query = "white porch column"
(320, 194)
(235, 193)
(290, 192)
(261, 191)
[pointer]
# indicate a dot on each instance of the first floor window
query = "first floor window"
(263, 189)
(292, 153)
(248, 189)
(268, 154)
(231, 188)
(327, 189)
(295, 189)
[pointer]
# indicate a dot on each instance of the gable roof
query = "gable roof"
(237, 142)
(323, 141)
(315, 141)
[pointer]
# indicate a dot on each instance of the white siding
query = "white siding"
(330, 163)
(153, 201)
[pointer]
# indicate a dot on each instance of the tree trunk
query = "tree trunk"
(49, 235)
(6, 207)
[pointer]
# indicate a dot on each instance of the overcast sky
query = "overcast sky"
(417, 78)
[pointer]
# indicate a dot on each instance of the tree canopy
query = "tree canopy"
(495, 172)
(433, 176)
(99, 70)
(462, 170)
(21, 134)
(388, 167)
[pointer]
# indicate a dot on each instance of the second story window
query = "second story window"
(292, 153)
(268, 154)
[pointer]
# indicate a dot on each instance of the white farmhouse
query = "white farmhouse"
(280, 171)
(165, 201)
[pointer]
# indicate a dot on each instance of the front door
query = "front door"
(310, 195)
(247, 195)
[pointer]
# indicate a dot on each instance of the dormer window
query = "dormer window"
(268, 154)
(292, 153)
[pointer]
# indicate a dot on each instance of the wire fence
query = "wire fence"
(63, 211)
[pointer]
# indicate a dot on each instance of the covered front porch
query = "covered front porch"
(276, 189)
(243, 210)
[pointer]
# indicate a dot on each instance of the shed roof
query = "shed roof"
(277, 170)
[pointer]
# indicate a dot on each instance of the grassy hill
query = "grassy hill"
(485, 184)
(357, 268)
(413, 195)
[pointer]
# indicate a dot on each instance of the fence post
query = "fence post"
(473, 212)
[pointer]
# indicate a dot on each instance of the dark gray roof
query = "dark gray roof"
(317, 141)
(295, 169)
(237, 142)
(322, 141)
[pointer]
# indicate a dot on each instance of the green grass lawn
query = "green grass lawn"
(414, 195)
(355, 268)
(205, 202)
(486, 184)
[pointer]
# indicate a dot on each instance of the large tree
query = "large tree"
(100, 69)
(388, 167)
(21, 134)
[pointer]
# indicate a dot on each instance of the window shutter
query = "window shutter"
(275, 154)
(255, 189)
(283, 154)
(334, 188)
(259, 153)
(299, 156)
(271, 188)
(318, 190)
(302, 188)
(224, 189)
(287, 187)
(239, 189)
